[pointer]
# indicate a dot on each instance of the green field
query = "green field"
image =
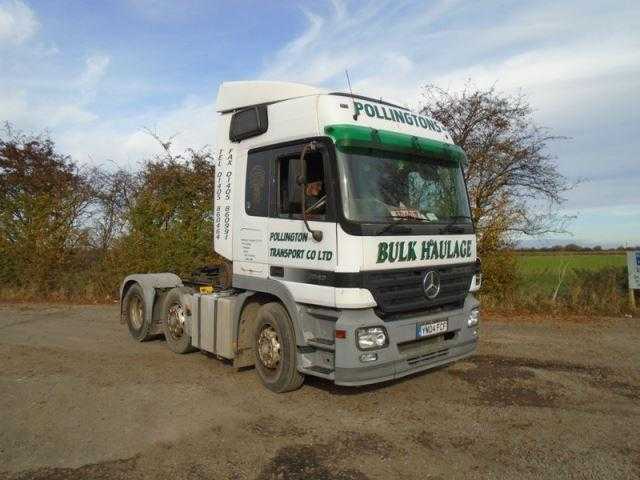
(538, 263)
(543, 270)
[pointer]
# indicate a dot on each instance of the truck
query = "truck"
(348, 249)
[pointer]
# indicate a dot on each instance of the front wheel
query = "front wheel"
(275, 349)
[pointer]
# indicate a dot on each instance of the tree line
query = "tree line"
(573, 247)
(71, 231)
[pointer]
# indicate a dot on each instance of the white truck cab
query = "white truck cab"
(349, 249)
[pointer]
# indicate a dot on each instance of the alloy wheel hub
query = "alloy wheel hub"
(175, 321)
(135, 312)
(269, 347)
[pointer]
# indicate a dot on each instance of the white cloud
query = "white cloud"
(392, 48)
(125, 141)
(379, 43)
(191, 124)
(629, 210)
(95, 69)
(57, 103)
(20, 109)
(60, 95)
(544, 67)
(288, 58)
(18, 22)
(13, 105)
(605, 193)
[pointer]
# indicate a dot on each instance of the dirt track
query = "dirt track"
(79, 399)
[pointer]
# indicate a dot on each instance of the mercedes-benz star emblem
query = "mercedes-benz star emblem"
(431, 284)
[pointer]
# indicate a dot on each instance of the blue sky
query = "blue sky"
(96, 73)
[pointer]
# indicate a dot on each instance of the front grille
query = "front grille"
(415, 361)
(423, 346)
(399, 292)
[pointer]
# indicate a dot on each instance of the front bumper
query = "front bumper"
(405, 354)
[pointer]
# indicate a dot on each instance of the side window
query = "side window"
(257, 186)
(289, 201)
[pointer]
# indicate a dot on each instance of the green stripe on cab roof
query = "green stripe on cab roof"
(356, 136)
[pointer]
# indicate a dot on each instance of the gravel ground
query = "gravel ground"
(541, 399)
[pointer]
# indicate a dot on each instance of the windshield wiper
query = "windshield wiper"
(399, 227)
(395, 228)
(449, 227)
(408, 217)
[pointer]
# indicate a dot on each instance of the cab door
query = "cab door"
(305, 265)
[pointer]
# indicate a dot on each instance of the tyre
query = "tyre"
(275, 349)
(134, 311)
(174, 323)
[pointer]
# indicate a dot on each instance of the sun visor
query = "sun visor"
(354, 136)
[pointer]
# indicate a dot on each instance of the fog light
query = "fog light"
(369, 357)
(371, 338)
(474, 317)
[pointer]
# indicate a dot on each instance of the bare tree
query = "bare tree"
(164, 143)
(513, 180)
(113, 197)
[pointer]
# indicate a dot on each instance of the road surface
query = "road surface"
(541, 399)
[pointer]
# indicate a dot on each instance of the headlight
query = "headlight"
(371, 338)
(474, 317)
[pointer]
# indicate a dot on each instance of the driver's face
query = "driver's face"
(313, 189)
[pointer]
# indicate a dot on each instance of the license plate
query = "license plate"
(429, 329)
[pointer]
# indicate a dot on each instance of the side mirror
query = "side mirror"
(302, 180)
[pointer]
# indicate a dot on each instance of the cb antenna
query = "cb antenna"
(355, 110)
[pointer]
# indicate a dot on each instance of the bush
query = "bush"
(582, 291)
(68, 233)
(600, 291)
(44, 202)
(73, 234)
(499, 275)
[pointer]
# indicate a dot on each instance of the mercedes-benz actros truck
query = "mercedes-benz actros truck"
(347, 245)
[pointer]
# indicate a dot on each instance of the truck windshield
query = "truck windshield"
(383, 186)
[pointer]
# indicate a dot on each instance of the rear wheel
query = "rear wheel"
(134, 312)
(175, 326)
(275, 349)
